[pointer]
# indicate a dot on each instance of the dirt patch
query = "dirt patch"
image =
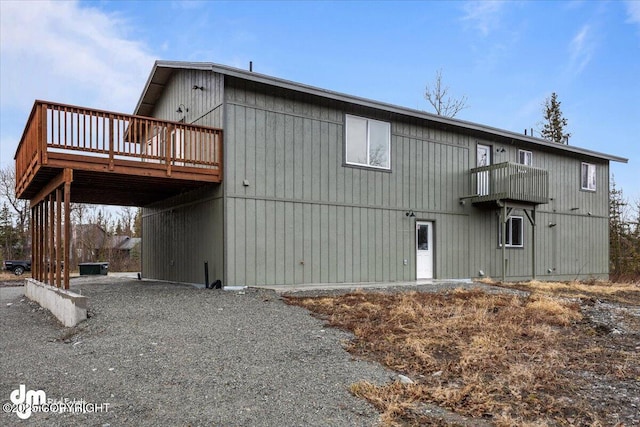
(531, 360)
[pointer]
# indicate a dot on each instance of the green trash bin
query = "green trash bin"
(94, 268)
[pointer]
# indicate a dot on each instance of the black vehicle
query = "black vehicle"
(17, 267)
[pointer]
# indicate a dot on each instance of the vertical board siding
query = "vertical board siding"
(320, 243)
(293, 212)
(205, 106)
(180, 235)
(322, 221)
(575, 248)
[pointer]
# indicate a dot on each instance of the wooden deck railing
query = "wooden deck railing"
(56, 128)
(510, 181)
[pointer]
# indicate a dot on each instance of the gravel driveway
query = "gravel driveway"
(170, 354)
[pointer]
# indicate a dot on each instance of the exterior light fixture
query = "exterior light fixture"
(180, 108)
(410, 214)
(196, 87)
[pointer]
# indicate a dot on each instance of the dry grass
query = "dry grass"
(499, 356)
(626, 293)
(7, 276)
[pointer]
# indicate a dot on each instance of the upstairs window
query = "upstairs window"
(525, 157)
(588, 177)
(368, 142)
(515, 232)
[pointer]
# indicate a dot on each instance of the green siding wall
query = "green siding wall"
(575, 248)
(181, 234)
(289, 211)
(205, 106)
(304, 217)
(285, 242)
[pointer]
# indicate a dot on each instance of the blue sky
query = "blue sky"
(506, 57)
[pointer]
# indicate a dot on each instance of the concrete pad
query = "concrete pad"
(70, 308)
(360, 285)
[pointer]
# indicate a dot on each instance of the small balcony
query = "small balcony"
(115, 158)
(509, 182)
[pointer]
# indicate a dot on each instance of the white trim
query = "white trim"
(591, 173)
(368, 122)
(425, 256)
(525, 152)
(510, 228)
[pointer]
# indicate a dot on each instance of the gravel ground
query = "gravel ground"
(169, 354)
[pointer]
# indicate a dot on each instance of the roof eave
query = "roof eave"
(299, 87)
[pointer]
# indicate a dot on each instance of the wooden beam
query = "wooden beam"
(58, 237)
(67, 231)
(51, 257)
(41, 241)
(65, 176)
(34, 239)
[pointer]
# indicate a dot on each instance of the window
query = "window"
(588, 177)
(515, 232)
(368, 142)
(525, 157)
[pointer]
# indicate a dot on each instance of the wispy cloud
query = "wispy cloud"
(581, 49)
(633, 11)
(69, 53)
(484, 16)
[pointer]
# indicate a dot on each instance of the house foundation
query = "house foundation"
(68, 307)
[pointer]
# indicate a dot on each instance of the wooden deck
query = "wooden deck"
(509, 182)
(117, 159)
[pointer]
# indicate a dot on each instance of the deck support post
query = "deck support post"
(532, 221)
(503, 224)
(533, 243)
(67, 224)
(51, 220)
(59, 241)
(50, 253)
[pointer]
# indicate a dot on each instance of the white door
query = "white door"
(483, 158)
(424, 250)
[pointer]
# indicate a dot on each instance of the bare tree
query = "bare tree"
(438, 96)
(126, 219)
(20, 207)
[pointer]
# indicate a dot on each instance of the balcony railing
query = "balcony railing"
(510, 182)
(54, 131)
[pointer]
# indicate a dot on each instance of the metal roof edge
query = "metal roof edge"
(338, 96)
(146, 87)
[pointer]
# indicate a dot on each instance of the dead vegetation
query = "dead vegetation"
(507, 359)
(7, 278)
(625, 293)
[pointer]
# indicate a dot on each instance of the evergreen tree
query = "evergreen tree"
(137, 224)
(554, 122)
(8, 234)
(616, 229)
(624, 237)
